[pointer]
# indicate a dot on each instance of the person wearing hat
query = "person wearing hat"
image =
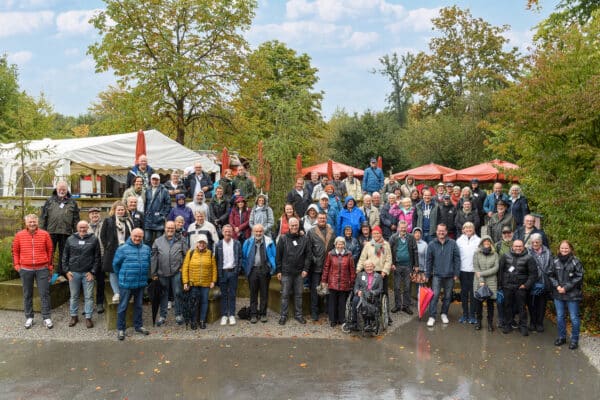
(332, 213)
(440, 191)
(156, 209)
(199, 275)
(373, 178)
(499, 220)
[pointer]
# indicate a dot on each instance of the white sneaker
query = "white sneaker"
(48, 323)
(223, 320)
(231, 320)
(431, 321)
(445, 319)
(116, 297)
(169, 305)
(28, 323)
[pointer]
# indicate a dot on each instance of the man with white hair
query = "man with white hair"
(60, 215)
(293, 258)
(199, 181)
(141, 169)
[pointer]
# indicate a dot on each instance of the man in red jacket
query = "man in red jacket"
(32, 258)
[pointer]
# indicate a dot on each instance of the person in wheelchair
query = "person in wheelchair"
(367, 295)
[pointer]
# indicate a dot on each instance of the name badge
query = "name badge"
(295, 243)
(511, 269)
(156, 214)
(364, 278)
(81, 242)
(62, 205)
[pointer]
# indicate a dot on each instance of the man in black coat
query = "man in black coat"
(517, 272)
(299, 197)
(197, 181)
(293, 263)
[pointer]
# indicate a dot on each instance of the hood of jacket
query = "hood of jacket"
(178, 197)
(264, 196)
(312, 207)
(487, 237)
(348, 198)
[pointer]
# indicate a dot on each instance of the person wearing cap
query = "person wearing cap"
(198, 181)
(499, 220)
(491, 201)
(199, 275)
(299, 197)
(239, 219)
(371, 213)
(324, 207)
(141, 169)
(440, 191)
(373, 178)
(156, 209)
(378, 251)
(95, 226)
(449, 187)
(353, 186)
(131, 264)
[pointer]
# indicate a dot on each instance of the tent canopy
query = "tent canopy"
(486, 172)
(428, 172)
(112, 154)
(337, 167)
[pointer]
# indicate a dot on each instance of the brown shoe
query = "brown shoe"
(74, 320)
(88, 323)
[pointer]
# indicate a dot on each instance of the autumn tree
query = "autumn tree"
(183, 56)
(395, 69)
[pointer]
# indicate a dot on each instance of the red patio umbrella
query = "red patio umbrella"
(330, 169)
(298, 165)
(495, 170)
(224, 160)
(140, 145)
(425, 296)
(428, 172)
(379, 162)
(321, 169)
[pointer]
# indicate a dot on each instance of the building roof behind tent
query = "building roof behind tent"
(115, 153)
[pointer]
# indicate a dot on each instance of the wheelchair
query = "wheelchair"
(372, 315)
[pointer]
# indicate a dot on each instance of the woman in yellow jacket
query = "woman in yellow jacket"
(199, 274)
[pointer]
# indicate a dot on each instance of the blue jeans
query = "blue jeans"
(573, 307)
(201, 293)
(75, 285)
(439, 283)
(289, 284)
(138, 296)
(173, 282)
(228, 283)
(114, 282)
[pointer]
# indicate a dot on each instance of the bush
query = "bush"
(7, 271)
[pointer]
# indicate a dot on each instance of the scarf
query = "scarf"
(379, 249)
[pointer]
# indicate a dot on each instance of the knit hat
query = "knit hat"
(377, 229)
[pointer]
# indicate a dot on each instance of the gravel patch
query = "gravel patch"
(590, 346)
(11, 327)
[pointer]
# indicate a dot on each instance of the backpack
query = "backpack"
(244, 313)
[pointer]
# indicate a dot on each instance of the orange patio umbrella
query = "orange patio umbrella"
(492, 171)
(428, 172)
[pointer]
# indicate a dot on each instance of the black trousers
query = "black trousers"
(100, 284)
(490, 310)
(537, 309)
(336, 305)
(58, 243)
(258, 280)
(516, 297)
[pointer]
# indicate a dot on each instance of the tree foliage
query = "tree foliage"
(183, 56)
(550, 122)
(395, 69)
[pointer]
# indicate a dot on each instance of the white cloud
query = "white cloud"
(360, 40)
(335, 10)
(87, 64)
(25, 4)
(19, 57)
(302, 32)
(18, 23)
(417, 20)
(75, 21)
(522, 40)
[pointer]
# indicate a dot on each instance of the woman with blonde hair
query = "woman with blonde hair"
(114, 232)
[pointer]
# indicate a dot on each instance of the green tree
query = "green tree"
(395, 69)
(466, 56)
(9, 95)
(550, 123)
(184, 56)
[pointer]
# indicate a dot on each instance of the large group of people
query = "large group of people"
(345, 236)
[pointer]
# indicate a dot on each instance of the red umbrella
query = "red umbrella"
(140, 145)
(495, 170)
(425, 296)
(379, 162)
(337, 167)
(298, 165)
(330, 169)
(224, 160)
(428, 172)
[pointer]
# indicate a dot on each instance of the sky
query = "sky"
(48, 41)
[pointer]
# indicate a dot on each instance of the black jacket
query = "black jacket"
(293, 255)
(300, 203)
(413, 250)
(447, 216)
(462, 217)
(81, 254)
(191, 181)
(524, 272)
(568, 274)
(387, 221)
(219, 212)
(110, 241)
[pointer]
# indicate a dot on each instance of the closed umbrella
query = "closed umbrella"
(140, 145)
(379, 162)
(330, 169)
(425, 296)
(298, 165)
(154, 292)
(224, 160)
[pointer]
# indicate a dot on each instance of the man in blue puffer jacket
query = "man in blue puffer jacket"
(132, 264)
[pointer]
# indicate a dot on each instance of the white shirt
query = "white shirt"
(228, 257)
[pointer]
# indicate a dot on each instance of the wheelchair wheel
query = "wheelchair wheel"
(383, 317)
(348, 311)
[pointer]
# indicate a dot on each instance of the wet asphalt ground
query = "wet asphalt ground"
(411, 362)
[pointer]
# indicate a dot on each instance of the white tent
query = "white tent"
(100, 155)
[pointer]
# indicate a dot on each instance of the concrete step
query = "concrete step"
(11, 295)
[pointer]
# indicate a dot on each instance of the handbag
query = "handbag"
(538, 288)
(483, 293)
(499, 297)
(418, 277)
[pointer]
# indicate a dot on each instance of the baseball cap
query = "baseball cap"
(155, 176)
